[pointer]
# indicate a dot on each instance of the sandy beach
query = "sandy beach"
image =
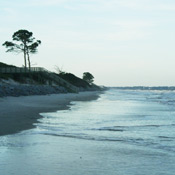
(19, 113)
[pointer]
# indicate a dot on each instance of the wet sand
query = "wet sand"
(20, 113)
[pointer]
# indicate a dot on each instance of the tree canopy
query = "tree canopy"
(88, 77)
(23, 41)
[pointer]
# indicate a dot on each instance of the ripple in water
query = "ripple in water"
(123, 132)
(121, 116)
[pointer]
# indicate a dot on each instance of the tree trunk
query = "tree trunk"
(25, 64)
(28, 57)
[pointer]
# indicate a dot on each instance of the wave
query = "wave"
(152, 143)
(108, 129)
(126, 128)
(166, 137)
(85, 137)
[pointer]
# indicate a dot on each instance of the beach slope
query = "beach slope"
(20, 113)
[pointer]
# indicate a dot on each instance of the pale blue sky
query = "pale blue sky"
(121, 42)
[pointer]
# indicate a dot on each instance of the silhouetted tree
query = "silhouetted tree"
(25, 43)
(88, 77)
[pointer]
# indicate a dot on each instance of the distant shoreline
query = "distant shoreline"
(171, 88)
(20, 113)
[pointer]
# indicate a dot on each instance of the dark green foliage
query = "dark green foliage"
(11, 47)
(32, 78)
(25, 43)
(33, 47)
(49, 78)
(4, 76)
(78, 82)
(5, 65)
(23, 35)
(88, 77)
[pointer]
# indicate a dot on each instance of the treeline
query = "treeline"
(146, 88)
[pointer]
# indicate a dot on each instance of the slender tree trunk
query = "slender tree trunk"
(25, 64)
(28, 57)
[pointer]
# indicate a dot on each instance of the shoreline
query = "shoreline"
(20, 113)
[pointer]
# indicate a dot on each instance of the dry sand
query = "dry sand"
(19, 113)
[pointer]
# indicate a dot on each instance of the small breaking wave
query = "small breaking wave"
(129, 140)
(86, 137)
(126, 128)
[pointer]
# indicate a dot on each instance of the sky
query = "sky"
(120, 42)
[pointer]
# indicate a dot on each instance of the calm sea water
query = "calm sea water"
(124, 132)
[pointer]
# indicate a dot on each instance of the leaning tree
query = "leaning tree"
(23, 41)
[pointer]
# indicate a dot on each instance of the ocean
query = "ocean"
(123, 132)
